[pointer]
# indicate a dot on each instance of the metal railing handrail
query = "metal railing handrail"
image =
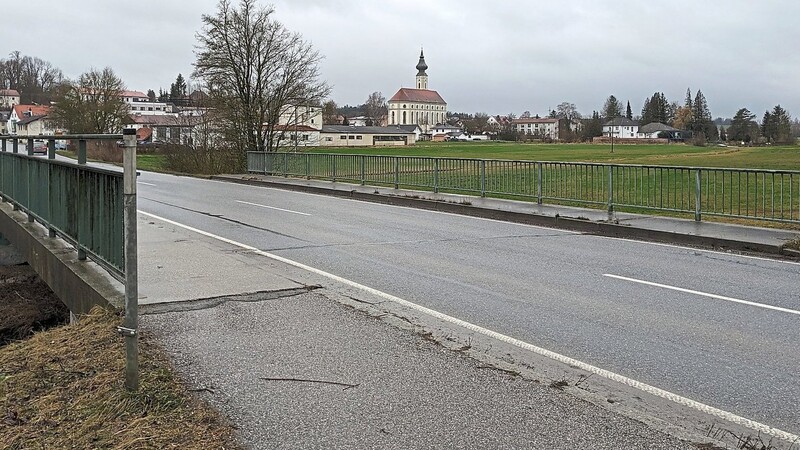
(757, 194)
(542, 161)
(47, 137)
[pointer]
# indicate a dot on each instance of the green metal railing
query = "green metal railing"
(81, 204)
(769, 195)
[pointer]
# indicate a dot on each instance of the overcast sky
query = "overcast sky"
(484, 56)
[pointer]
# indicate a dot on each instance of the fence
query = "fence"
(769, 195)
(92, 208)
(81, 204)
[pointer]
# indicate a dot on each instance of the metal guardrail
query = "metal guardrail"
(769, 195)
(81, 204)
(92, 208)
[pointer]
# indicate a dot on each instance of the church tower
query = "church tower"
(422, 77)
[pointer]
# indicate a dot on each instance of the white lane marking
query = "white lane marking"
(659, 244)
(704, 294)
(272, 207)
(146, 184)
(716, 252)
(399, 206)
(716, 412)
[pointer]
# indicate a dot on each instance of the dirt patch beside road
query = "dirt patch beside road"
(27, 304)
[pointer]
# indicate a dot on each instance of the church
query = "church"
(418, 106)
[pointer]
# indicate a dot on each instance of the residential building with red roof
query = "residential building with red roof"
(29, 120)
(419, 105)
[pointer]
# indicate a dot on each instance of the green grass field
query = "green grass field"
(775, 157)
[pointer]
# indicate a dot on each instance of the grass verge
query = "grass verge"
(63, 388)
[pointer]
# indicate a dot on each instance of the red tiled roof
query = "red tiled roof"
(136, 94)
(417, 95)
(144, 133)
(35, 110)
(9, 93)
(294, 128)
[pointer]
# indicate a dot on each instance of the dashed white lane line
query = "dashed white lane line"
(272, 207)
(716, 412)
(704, 294)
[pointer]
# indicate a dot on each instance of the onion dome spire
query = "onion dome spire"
(421, 66)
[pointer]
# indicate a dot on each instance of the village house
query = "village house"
(8, 98)
(622, 128)
(29, 120)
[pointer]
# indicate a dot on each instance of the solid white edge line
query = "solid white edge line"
(146, 184)
(704, 294)
(710, 410)
(715, 252)
(272, 207)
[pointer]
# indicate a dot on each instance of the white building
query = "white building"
(310, 116)
(621, 127)
(418, 106)
(29, 120)
(537, 128)
(8, 98)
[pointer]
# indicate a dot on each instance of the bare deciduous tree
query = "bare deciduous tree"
(257, 72)
(34, 78)
(376, 108)
(92, 104)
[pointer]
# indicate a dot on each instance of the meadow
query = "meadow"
(766, 157)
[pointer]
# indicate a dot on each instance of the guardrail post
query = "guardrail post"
(81, 198)
(483, 178)
(436, 175)
(29, 146)
(4, 144)
(610, 192)
(15, 145)
(396, 172)
(539, 171)
(308, 166)
(51, 154)
(333, 168)
(285, 164)
(363, 172)
(697, 194)
(131, 322)
(82, 151)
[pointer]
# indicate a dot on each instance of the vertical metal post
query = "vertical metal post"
(436, 175)
(697, 194)
(483, 178)
(333, 168)
(4, 144)
(396, 172)
(131, 322)
(51, 154)
(15, 145)
(539, 172)
(363, 172)
(286, 164)
(610, 192)
(308, 166)
(29, 146)
(82, 151)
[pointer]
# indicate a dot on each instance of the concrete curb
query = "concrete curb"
(79, 284)
(565, 223)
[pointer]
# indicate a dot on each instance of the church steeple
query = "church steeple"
(422, 77)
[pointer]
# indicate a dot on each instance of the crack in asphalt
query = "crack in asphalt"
(227, 219)
(418, 241)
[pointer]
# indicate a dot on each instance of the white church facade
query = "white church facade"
(417, 106)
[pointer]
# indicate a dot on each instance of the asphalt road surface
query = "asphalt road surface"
(721, 329)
